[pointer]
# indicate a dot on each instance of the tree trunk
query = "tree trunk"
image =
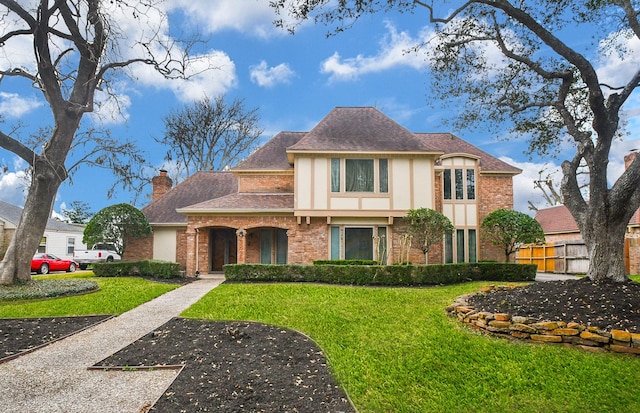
(605, 249)
(16, 265)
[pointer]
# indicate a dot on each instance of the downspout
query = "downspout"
(197, 249)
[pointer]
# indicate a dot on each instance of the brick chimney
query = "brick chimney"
(161, 184)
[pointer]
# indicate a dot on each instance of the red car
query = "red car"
(45, 263)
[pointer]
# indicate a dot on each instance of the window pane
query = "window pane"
(448, 248)
(359, 175)
(382, 245)
(473, 257)
(71, 246)
(447, 183)
(383, 166)
(335, 175)
(265, 246)
(471, 184)
(460, 245)
(459, 187)
(281, 246)
(335, 243)
(358, 243)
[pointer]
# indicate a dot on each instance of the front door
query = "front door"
(223, 248)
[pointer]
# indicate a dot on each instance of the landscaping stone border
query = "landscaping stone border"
(589, 338)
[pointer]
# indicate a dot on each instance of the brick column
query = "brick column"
(242, 245)
(191, 252)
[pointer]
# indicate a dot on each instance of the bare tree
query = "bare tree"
(75, 53)
(545, 87)
(210, 135)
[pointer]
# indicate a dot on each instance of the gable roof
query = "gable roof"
(451, 144)
(358, 129)
(199, 187)
(11, 214)
(556, 220)
(273, 154)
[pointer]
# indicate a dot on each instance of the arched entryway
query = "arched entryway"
(223, 248)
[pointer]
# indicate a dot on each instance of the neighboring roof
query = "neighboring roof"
(273, 154)
(199, 187)
(359, 129)
(556, 220)
(11, 214)
(451, 144)
(244, 202)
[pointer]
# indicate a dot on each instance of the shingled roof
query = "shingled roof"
(244, 202)
(11, 214)
(556, 220)
(200, 187)
(359, 129)
(450, 144)
(273, 154)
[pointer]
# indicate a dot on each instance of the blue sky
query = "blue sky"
(294, 81)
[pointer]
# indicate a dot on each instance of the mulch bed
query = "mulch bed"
(607, 305)
(236, 366)
(20, 335)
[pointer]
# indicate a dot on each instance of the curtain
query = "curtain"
(359, 175)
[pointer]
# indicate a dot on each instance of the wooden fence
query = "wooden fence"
(565, 257)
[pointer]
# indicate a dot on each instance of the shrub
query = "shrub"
(388, 275)
(345, 262)
(147, 268)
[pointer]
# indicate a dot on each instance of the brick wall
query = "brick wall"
(139, 249)
(494, 192)
(265, 183)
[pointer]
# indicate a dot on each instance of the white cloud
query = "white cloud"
(265, 76)
(13, 105)
(523, 184)
(620, 58)
(393, 53)
(12, 188)
(252, 17)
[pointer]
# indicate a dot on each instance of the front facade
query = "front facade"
(339, 191)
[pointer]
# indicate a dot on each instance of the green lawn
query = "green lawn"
(395, 350)
(116, 296)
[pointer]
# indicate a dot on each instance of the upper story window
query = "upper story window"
(360, 175)
(459, 184)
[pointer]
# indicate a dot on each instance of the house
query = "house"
(59, 238)
(339, 191)
(568, 252)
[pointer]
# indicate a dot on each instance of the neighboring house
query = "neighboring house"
(568, 253)
(339, 191)
(59, 238)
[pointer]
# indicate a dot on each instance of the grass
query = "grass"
(116, 296)
(395, 350)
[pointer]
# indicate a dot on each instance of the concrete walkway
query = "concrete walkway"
(55, 378)
(547, 276)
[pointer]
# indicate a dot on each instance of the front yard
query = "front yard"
(394, 349)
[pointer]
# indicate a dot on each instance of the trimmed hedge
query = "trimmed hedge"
(147, 268)
(345, 262)
(387, 275)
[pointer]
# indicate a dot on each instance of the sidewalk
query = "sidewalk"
(547, 276)
(55, 378)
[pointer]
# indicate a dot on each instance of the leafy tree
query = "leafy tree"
(427, 227)
(78, 213)
(115, 225)
(210, 135)
(545, 86)
(508, 229)
(76, 50)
